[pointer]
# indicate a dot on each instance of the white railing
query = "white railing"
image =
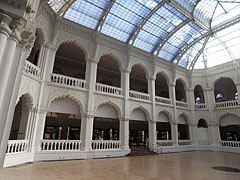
(200, 106)
(230, 144)
(164, 143)
(226, 104)
(181, 104)
(69, 81)
(61, 145)
(108, 89)
(203, 142)
(31, 68)
(163, 100)
(184, 142)
(17, 146)
(139, 95)
(105, 144)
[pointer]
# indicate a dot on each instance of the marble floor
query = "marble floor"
(175, 166)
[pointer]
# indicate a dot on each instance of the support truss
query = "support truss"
(191, 66)
(65, 7)
(104, 16)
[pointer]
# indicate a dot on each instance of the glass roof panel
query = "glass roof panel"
(190, 54)
(159, 25)
(181, 38)
(216, 53)
(87, 13)
(124, 17)
(186, 4)
(56, 5)
(146, 41)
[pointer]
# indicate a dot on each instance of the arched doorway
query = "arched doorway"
(224, 90)
(138, 128)
(202, 132)
(163, 127)
(198, 94)
(183, 129)
(21, 119)
(161, 86)
(138, 80)
(230, 128)
(108, 72)
(106, 123)
(70, 61)
(180, 91)
(63, 120)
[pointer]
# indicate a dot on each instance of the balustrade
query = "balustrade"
(163, 100)
(31, 68)
(184, 142)
(203, 142)
(230, 144)
(164, 143)
(139, 95)
(69, 81)
(181, 104)
(61, 145)
(17, 146)
(226, 104)
(105, 144)
(108, 89)
(200, 106)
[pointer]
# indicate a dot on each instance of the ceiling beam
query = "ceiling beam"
(199, 53)
(144, 20)
(62, 11)
(104, 16)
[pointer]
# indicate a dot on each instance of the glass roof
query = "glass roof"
(163, 28)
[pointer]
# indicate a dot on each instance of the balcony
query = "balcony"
(227, 104)
(68, 81)
(32, 69)
(163, 100)
(139, 95)
(106, 144)
(108, 89)
(17, 146)
(182, 104)
(61, 145)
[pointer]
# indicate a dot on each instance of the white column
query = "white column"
(86, 132)
(214, 134)
(6, 64)
(174, 131)
(4, 32)
(124, 133)
(88, 118)
(125, 82)
(47, 60)
(7, 110)
(39, 129)
(193, 133)
(151, 88)
(238, 90)
(152, 134)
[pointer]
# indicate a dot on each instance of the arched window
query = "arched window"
(202, 124)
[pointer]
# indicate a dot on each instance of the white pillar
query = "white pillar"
(193, 133)
(47, 60)
(125, 82)
(152, 134)
(7, 110)
(4, 32)
(174, 131)
(86, 132)
(124, 133)
(214, 134)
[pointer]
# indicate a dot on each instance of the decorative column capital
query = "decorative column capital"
(88, 116)
(17, 27)
(5, 24)
(126, 70)
(152, 78)
(93, 60)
